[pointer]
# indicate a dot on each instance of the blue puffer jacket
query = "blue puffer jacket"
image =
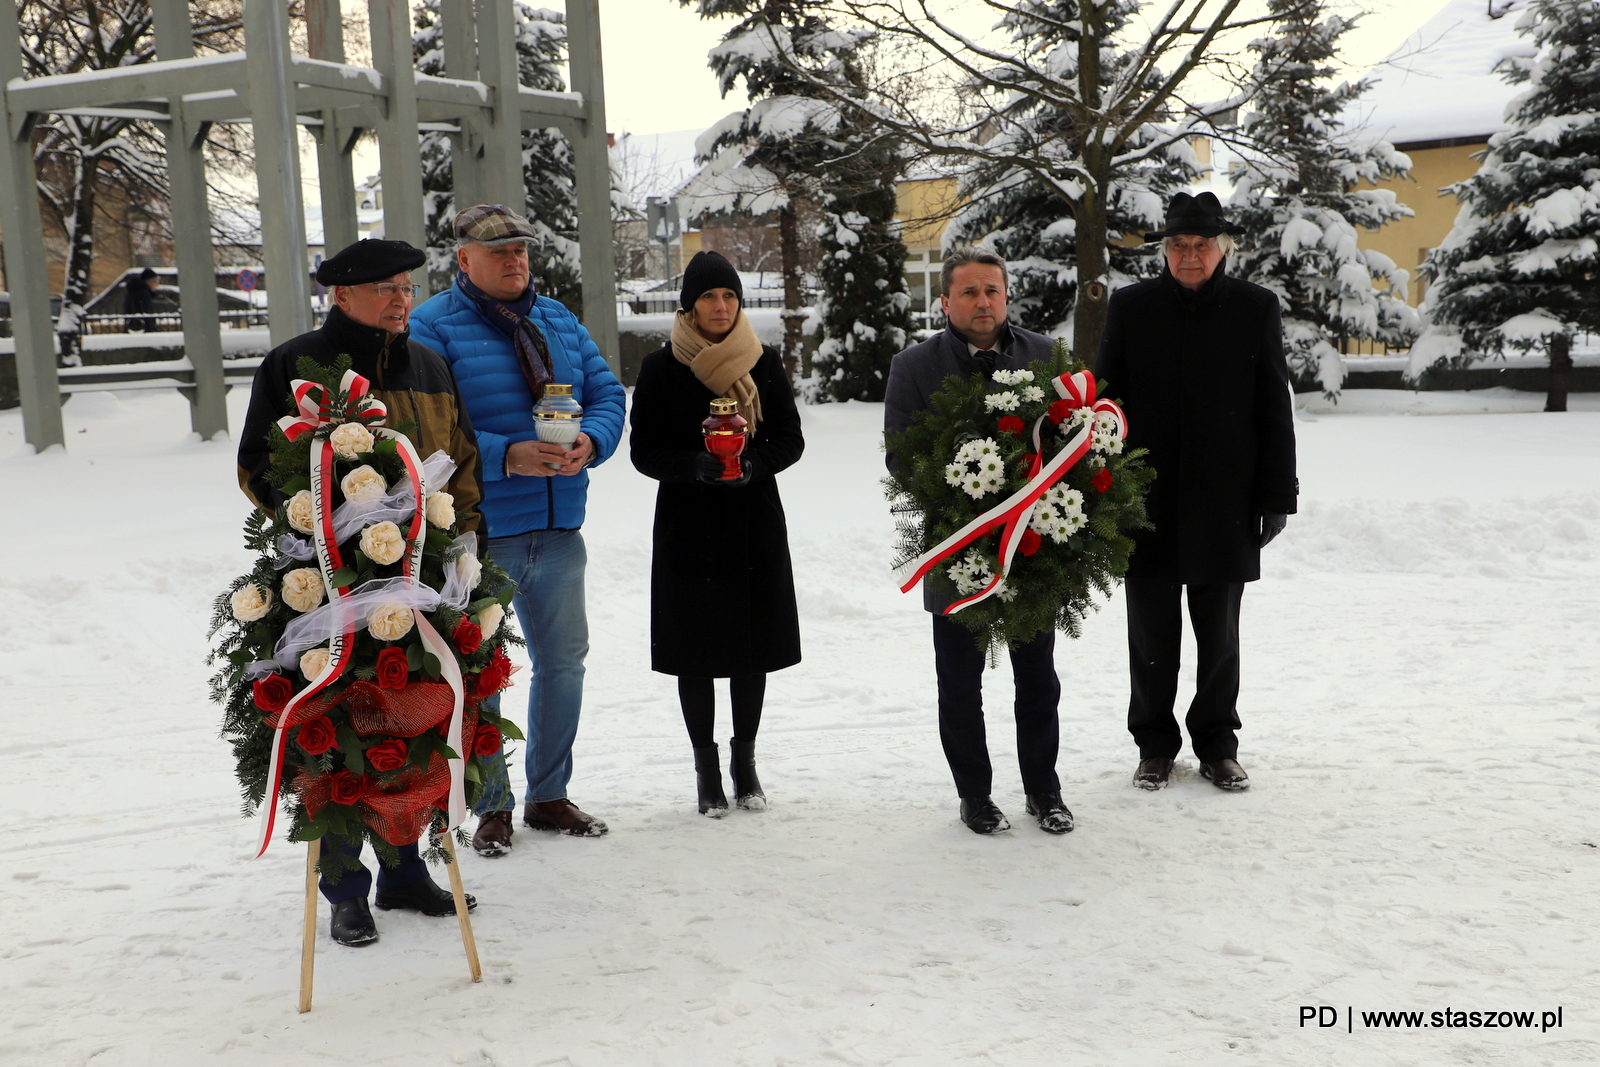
(497, 398)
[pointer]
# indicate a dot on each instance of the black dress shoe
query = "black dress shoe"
(1153, 773)
(1226, 774)
(352, 923)
(1053, 815)
(982, 816)
(422, 895)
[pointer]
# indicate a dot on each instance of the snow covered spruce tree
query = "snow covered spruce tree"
(1024, 216)
(1518, 269)
(1297, 196)
(768, 158)
(864, 314)
(547, 175)
(976, 103)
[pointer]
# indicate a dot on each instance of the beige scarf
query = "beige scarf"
(724, 367)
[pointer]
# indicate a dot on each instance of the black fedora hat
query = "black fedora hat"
(1198, 215)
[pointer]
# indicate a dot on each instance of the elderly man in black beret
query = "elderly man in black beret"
(1196, 358)
(372, 293)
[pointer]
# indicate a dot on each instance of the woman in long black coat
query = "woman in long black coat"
(722, 599)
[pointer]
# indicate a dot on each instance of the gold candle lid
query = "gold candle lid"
(558, 389)
(724, 406)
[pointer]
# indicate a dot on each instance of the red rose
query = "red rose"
(1030, 543)
(346, 788)
(388, 755)
(393, 670)
(1102, 480)
(494, 677)
(467, 637)
(488, 741)
(272, 693)
(1012, 424)
(317, 735)
(1059, 410)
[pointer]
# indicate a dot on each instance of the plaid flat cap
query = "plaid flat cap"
(492, 224)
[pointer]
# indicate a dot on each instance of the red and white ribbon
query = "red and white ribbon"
(315, 406)
(315, 410)
(1015, 512)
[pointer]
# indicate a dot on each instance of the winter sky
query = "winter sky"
(657, 80)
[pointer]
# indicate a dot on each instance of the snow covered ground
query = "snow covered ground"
(1422, 729)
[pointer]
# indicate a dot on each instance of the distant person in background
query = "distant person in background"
(722, 601)
(505, 344)
(1196, 360)
(141, 301)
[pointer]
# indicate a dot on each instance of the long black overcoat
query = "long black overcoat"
(721, 585)
(1204, 383)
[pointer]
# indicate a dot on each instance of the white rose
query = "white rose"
(389, 622)
(313, 662)
(469, 569)
(351, 439)
(382, 543)
(250, 602)
(302, 588)
(363, 485)
(441, 510)
(489, 620)
(300, 511)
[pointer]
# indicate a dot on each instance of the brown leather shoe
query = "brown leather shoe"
(562, 815)
(493, 836)
(1153, 774)
(1226, 774)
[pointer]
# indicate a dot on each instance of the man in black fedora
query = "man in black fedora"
(1196, 359)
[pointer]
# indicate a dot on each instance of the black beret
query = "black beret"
(146, 274)
(370, 260)
(708, 270)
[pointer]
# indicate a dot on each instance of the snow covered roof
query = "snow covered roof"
(658, 163)
(1440, 83)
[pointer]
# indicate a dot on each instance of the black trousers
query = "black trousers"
(959, 664)
(1155, 633)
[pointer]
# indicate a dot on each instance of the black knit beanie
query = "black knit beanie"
(708, 270)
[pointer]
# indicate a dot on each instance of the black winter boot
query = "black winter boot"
(708, 780)
(742, 767)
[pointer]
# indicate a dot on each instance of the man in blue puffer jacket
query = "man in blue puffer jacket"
(505, 345)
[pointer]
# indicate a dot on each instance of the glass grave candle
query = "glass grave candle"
(726, 432)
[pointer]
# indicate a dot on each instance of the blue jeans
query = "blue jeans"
(547, 566)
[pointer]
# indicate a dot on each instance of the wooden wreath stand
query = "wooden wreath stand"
(308, 945)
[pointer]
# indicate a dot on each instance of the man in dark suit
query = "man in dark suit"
(1196, 359)
(978, 340)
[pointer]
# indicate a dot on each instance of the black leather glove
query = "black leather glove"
(708, 470)
(1272, 525)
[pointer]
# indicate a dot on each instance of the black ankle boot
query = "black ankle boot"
(742, 767)
(708, 780)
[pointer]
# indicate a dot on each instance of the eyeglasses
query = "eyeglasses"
(389, 290)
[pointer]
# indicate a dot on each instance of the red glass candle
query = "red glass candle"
(726, 432)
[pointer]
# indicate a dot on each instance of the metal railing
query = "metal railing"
(167, 322)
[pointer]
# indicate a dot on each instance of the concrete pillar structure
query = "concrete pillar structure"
(25, 263)
(283, 218)
(336, 136)
(592, 171)
(190, 212)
